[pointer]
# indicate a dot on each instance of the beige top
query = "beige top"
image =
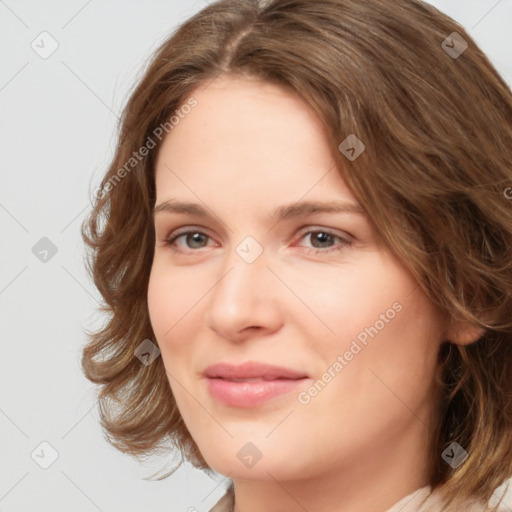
(420, 500)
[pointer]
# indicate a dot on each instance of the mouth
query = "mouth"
(250, 384)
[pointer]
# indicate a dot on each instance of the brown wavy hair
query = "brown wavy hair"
(434, 179)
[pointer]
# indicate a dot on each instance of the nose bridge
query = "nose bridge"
(243, 296)
(244, 273)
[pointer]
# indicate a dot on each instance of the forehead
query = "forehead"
(247, 140)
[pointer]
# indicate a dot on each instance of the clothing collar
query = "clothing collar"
(421, 500)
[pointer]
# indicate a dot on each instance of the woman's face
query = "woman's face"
(262, 277)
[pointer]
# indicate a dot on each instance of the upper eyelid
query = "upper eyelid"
(188, 229)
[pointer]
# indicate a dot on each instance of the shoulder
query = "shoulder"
(428, 500)
(434, 503)
(421, 500)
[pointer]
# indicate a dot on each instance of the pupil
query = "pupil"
(196, 237)
(321, 237)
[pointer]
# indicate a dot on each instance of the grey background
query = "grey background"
(57, 133)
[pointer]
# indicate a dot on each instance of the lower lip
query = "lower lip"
(250, 394)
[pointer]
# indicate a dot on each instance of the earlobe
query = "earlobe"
(462, 333)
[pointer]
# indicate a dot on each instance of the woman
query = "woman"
(371, 373)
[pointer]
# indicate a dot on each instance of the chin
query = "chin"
(240, 466)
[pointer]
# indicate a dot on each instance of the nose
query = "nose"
(245, 301)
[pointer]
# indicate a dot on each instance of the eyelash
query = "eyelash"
(343, 242)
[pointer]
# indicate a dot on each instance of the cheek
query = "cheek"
(396, 354)
(377, 315)
(350, 299)
(158, 302)
(383, 380)
(175, 311)
(166, 305)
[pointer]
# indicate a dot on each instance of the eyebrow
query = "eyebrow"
(299, 209)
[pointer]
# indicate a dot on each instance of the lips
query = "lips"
(251, 371)
(250, 384)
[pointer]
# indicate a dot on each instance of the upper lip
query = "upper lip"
(251, 370)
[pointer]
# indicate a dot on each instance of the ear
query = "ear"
(463, 333)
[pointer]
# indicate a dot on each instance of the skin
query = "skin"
(361, 443)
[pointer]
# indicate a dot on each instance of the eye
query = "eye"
(321, 237)
(322, 240)
(193, 237)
